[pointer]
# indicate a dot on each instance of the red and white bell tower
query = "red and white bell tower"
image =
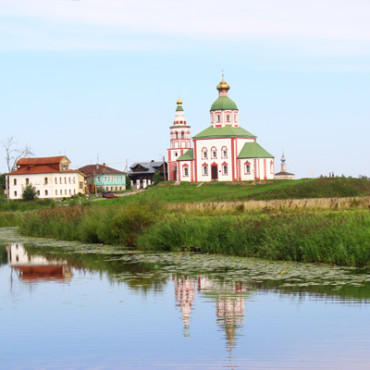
(180, 141)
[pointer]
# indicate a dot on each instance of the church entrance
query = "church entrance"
(214, 172)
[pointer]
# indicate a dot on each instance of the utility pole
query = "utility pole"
(164, 169)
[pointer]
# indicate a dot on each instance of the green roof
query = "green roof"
(254, 150)
(227, 131)
(223, 103)
(187, 156)
(179, 108)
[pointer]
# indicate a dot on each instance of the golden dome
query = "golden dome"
(179, 101)
(223, 85)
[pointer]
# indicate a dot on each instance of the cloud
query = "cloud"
(119, 24)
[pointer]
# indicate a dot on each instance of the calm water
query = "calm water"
(72, 306)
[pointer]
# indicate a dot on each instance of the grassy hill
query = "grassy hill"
(262, 190)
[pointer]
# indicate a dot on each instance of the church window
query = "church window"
(219, 118)
(205, 170)
(236, 118)
(224, 152)
(204, 153)
(176, 135)
(214, 152)
(182, 135)
(15, 182)
(175, 154)
(186, 171)
(247, 168)
(228, 117)
(225, 169)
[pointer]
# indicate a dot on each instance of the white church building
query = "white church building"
(222, 152)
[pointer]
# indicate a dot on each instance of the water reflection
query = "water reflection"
(31, 268)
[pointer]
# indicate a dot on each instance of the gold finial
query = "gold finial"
(179, 101)
(223, 85)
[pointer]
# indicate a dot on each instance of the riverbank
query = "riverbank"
(335, 230)
(336, 237)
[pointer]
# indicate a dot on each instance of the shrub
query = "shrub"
(29, 192)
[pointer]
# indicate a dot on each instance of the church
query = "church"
(222, 152)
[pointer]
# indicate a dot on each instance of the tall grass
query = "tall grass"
(342, 239)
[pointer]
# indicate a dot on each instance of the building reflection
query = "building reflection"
(31, 267)
(230, 304)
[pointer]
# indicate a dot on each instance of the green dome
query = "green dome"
(224, 103)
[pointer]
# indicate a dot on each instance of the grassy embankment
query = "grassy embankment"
(144, 221)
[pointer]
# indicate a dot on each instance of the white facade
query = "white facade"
(50, 185)
(224, 151)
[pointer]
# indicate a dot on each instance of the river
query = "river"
(67, 305)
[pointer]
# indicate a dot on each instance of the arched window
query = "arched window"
(247, 167)
(205, 170)
(182, 135)
(185, 171)
(224, 152)
(176, 135)
(204, 153)
(214, 152)
(219, 118)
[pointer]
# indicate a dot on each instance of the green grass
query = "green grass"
(264, 190)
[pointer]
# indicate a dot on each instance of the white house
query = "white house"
(222, 152)
(51, 176)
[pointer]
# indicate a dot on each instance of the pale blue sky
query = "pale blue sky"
(100, 79)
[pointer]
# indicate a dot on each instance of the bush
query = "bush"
(29, 192)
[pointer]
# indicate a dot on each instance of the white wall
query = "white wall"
(59, 185)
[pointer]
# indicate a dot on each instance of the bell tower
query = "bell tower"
(180, 140)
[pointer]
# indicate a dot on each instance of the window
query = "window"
(69, 191)
(27, 181)
(228, 117)
(69, 180)
(15, 193)
(205, 170)
(98, 179)
(38, 193)
(61, 192)
(46, 192)
(224, 153)
(214, 152)
(74, 180)
(204, 153)
(218, 118)
(56, 180)
(182, 135)
(45, 181)
(81, 185)
(271, 167)
(176, 135)
(65, 180)
(56, 192)
(247, 168)
(225, 169)
(15, 181)
(60, 180)
(175, 154)
(186, 171)
(65, 191)
(236, 118)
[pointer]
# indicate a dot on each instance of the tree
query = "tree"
(12, 154)
(29, 192)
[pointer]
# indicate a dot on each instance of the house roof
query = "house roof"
(253, 150)
(31, 170)
(40, 160)
(187, 156)
(148, 167)
(227, 131)
(99, 169)
(39, 165)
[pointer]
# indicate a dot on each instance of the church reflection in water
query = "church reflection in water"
(228, 296)
(34, 267)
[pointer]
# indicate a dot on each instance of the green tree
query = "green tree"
(157, 178)
(29, 193)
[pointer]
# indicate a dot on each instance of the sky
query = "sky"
(98, 80)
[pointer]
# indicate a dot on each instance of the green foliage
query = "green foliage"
(29, 193)
(157, 178)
